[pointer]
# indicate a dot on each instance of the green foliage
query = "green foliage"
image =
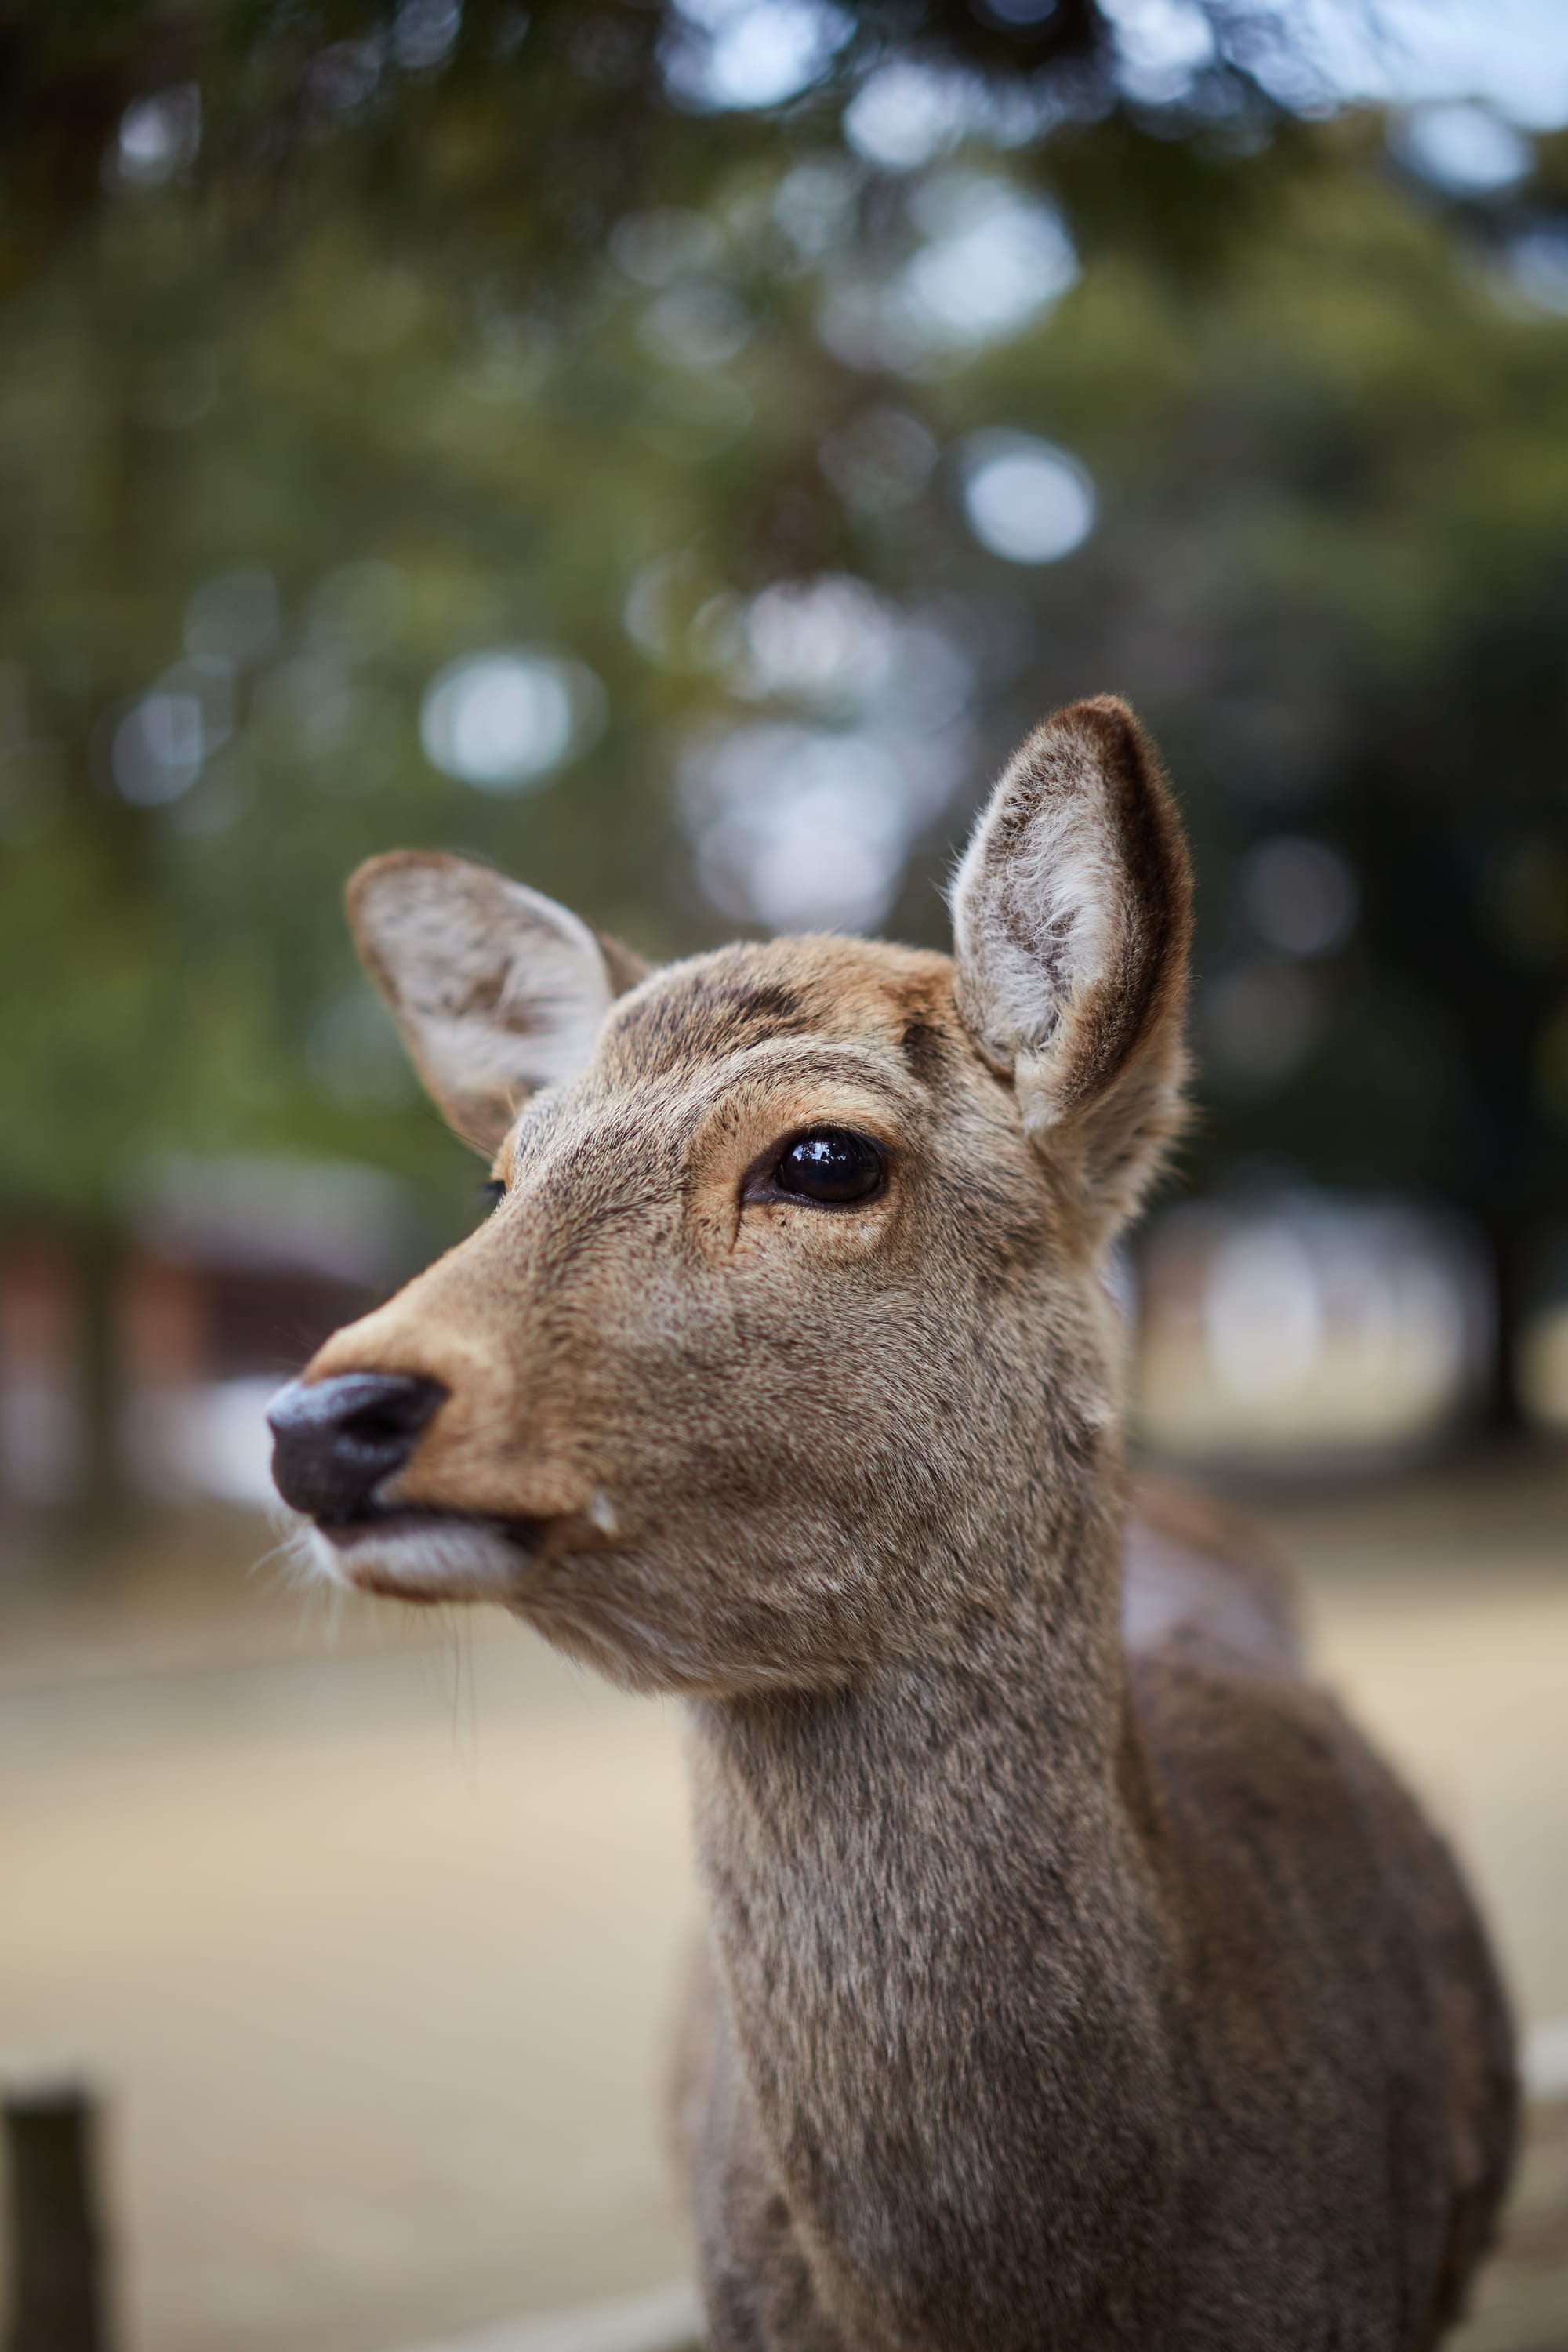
(413, 357)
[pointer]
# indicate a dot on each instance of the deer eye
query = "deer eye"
(832, 1165)
(492, 1192)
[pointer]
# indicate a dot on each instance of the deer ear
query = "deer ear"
(1072, 913)
(496, 990)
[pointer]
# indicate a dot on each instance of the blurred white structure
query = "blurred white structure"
(1309, 1331)
(234, 1272)
(244, 1266)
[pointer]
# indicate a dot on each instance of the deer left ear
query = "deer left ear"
(497, 990)
(1072, 915)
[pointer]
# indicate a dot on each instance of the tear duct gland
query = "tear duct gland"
(1074, 1977)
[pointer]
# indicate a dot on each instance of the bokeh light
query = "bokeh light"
(744, 54)
(422, 31)
(829, 640)
(157, 749)
(159, 136)
(1538, 263)
(1160, 46)
(797, 829)
(1465, 149)
(504, 721)
(994, 258)
(991, 262)
(905, 114)
(1026, 500)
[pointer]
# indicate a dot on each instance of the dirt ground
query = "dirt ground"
(368, 1928)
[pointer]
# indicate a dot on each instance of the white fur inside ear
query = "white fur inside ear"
(540, 1028)
(496, 989)
(1072, 913)
(1036, 904)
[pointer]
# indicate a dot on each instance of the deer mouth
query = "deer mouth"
(409, 1552)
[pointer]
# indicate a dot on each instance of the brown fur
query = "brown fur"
(1059, 1991)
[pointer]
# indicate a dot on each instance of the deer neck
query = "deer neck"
(935, 1913)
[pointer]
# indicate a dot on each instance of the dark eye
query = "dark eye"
(492, 1192)
(832, 1165)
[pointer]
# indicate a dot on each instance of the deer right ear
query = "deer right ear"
(1071, 914)
(496, 990)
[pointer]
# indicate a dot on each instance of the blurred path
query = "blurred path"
(376, 1955)
(1439, 1612)
(375, 1946)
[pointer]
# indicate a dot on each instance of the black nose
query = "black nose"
(335, 1441)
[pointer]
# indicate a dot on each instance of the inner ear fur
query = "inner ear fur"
(497, 990)
(1072, 919)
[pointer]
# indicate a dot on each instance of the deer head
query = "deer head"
(790, 1306)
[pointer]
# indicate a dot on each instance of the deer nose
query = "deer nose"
(335, 1440)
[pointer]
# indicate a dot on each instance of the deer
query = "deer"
(1073, 1977)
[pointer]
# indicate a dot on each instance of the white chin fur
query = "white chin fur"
(421, 1560)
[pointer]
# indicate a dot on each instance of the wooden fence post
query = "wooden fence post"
(58, 2301)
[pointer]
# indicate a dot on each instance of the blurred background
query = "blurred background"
(674, 448)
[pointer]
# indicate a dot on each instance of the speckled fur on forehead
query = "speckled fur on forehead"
(713, 1006)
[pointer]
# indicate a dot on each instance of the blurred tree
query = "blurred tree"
(582, 436)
